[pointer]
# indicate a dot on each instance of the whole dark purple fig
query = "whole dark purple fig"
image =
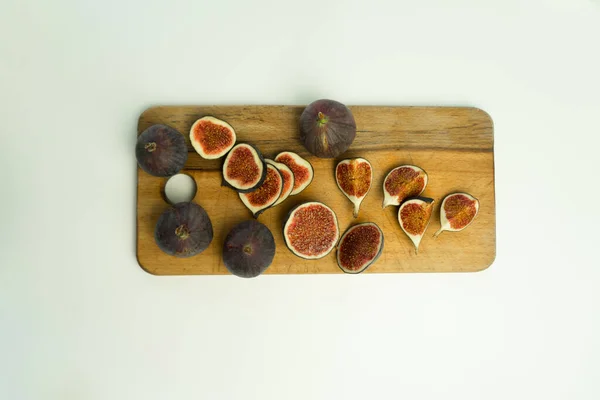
(183, 230)
(249, 249)
(161, 151)
(327, 128)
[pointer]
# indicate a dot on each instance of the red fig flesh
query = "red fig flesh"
(360, 246)
(244, 169)
(266, 195)
(457, 212)
(302, 169)
(311, 230)
(288, 180)
(183, 230)
(403, 182)
(414, 216)
(354, 177)
(327, 128)
(211, 137)
(161, 151)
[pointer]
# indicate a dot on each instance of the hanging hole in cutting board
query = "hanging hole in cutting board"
(180, 187)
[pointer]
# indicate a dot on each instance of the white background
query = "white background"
(80, 320)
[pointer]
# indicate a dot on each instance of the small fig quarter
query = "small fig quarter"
(354, 176)
(302, 170)
(457, 212)
(311, 230)
(327, 128)
(211, 137)
(244, 169)
(414, 216)
(249, 249)
(403, 182)
(360, 246)
(266, 195)
(161, 151)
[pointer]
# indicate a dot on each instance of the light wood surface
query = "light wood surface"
(455, 145)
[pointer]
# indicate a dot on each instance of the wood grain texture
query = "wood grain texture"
(455, 145)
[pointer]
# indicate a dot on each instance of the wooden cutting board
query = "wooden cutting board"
(454, 145)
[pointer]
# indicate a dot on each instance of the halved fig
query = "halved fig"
(354, 176)
(360, 246)
(211, 137)
(244, 169)
(161, 151)
(311, 230)
(302, 169)
(266, 195)
(183, 230)
(457, 212)
(414, 216)
(403, 182)
(249, 249)
(327, 128)
(288, 180)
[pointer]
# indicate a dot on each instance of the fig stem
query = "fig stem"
(150, 147)
(321, 118)
(438, 232)
(182, 231)
(356, 208)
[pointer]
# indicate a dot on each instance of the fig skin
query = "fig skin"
(224, 182)
(313, 229)
(369, 262)
(183, 230)
(327, 128)
(249, 249)
(161, 151)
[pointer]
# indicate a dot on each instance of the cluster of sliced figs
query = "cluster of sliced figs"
(404, 185)
(310, 230)
(264, 183)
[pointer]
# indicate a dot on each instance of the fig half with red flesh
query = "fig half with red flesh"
(211, 137)
(183, 230)
(266, 194)
(457, 212)
(288, 180)
(360, 246)
(327, 128)
(414, 216)
(302, 169)
(161, 151)
(244, 169)
(353, 177)
(311, 230)
(249, 249)
(403, 182)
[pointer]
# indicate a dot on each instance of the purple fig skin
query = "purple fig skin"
(161, 151)
(249, 249)
(327, 128)
(183, 230)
